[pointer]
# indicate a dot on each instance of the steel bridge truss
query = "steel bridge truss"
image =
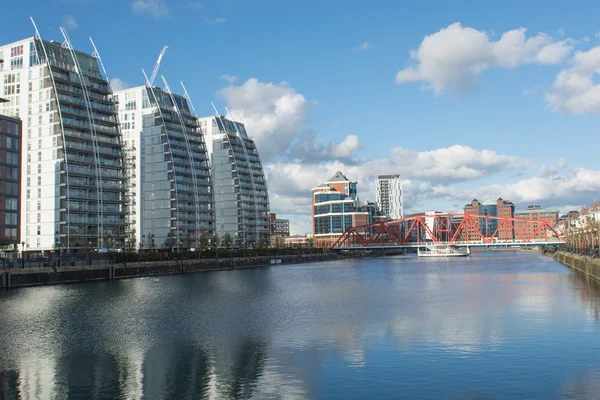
(450, 229)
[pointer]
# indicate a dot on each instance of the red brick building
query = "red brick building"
(471, 232)
(506, 209)
(534, 213)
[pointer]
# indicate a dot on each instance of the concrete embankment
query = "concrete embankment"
(44, 276)
(588, 266)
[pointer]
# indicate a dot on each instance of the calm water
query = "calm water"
(497, 325)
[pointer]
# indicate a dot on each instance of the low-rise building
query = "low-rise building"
(295, 241)
(280, 229)
(524, 226)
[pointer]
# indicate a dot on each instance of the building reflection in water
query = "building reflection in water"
(274, 333)
(589, 292)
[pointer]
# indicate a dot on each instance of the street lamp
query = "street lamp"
(23, 255)
(90, 252)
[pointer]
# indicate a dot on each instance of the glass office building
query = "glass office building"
(241, 197)
(73, 185)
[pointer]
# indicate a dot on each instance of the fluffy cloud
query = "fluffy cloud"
(274, 113)
(453, 58)
(550, 186)
(155, 8)
(308, 148)
(296, 159)
(229, 78)
(70, 22)
(575, 90)
(427, 175)
(117, 84)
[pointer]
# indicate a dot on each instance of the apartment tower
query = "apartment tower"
(241, 196)
(171, 201)
(389, 196)
(73, 186)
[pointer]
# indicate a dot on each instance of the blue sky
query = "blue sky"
(340, 105)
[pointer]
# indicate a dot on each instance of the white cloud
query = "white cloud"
(586, 39)
(117, 84)
(195, 5)
(70, 22)
(428, 175)
(454, 57)
(274, 113)
(306, 148)
(229, 78)
(155, 8)
(575, 89)
(550, 186)
(290, 185)
(362, 47)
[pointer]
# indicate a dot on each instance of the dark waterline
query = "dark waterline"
(496, 325)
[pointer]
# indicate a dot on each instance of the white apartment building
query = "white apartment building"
(389, 196)
(171, 201)
(241, 197)
(72, 191)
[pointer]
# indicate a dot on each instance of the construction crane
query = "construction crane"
(157, 65)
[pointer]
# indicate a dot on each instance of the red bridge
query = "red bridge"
(459, 230)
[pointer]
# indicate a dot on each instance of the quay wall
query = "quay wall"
(17, 277)
(587, 265)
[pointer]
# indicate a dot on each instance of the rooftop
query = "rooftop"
(538, 210)
(338, 177)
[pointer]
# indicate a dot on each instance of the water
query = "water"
(496, 325)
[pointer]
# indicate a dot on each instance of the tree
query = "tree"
(310, 242)
(227, 240)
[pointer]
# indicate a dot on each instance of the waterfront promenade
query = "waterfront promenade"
(99, 270)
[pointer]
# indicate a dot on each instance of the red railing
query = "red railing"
(450, 229)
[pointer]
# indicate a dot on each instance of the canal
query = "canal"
(500, 324)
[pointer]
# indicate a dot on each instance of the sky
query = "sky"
(463, 99)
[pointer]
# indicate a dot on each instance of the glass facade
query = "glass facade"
(177, 197)
(241, 197)
(488, 226)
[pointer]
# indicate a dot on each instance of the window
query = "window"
(12, 158)
(10, 219)
(12, 188)
(11, 204)
(10, 233)
(16, 51)
(16, 63)
(12, 143)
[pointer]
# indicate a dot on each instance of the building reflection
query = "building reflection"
(588, 290)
